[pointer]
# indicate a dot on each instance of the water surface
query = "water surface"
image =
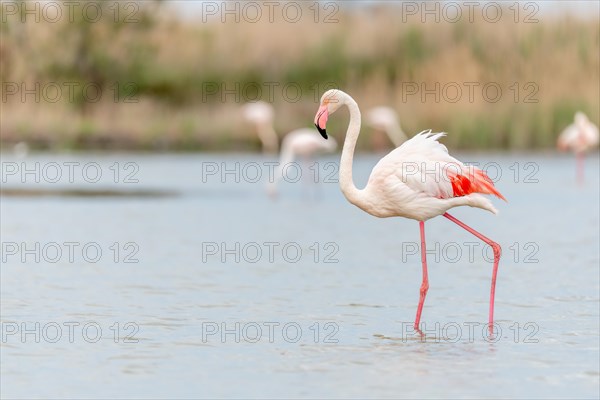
(191, 302)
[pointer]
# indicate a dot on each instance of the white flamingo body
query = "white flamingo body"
(418, 180)
(414, 181)
(385, 119)
(579, 137)
(300, 143)
(303, 143)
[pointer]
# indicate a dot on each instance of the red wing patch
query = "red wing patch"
(461, 185)
(475, 182)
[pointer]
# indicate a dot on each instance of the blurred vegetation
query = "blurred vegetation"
(143, 77)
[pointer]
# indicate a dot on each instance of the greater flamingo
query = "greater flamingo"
(299, 143)
(260, 114)
(579, 137)
(385, 119)
(418, 180)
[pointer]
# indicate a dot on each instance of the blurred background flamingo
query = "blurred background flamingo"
(260, 114)
(385, 119)
(300, 144)
(579, 138)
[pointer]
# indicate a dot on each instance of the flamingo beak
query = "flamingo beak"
(321, 120)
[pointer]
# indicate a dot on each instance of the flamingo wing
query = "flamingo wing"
(304, 142)
(579, 138)
(568, 137)
(424, 165)
(591, 134)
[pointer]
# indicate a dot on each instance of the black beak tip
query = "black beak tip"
(323, 132)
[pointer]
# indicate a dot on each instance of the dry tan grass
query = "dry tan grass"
(371, 51)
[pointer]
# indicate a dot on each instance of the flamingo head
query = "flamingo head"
(580, 118)
(258, 113)
(330, 102)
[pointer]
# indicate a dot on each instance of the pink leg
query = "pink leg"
(497, 252)
(580, 168)
(425, 284)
